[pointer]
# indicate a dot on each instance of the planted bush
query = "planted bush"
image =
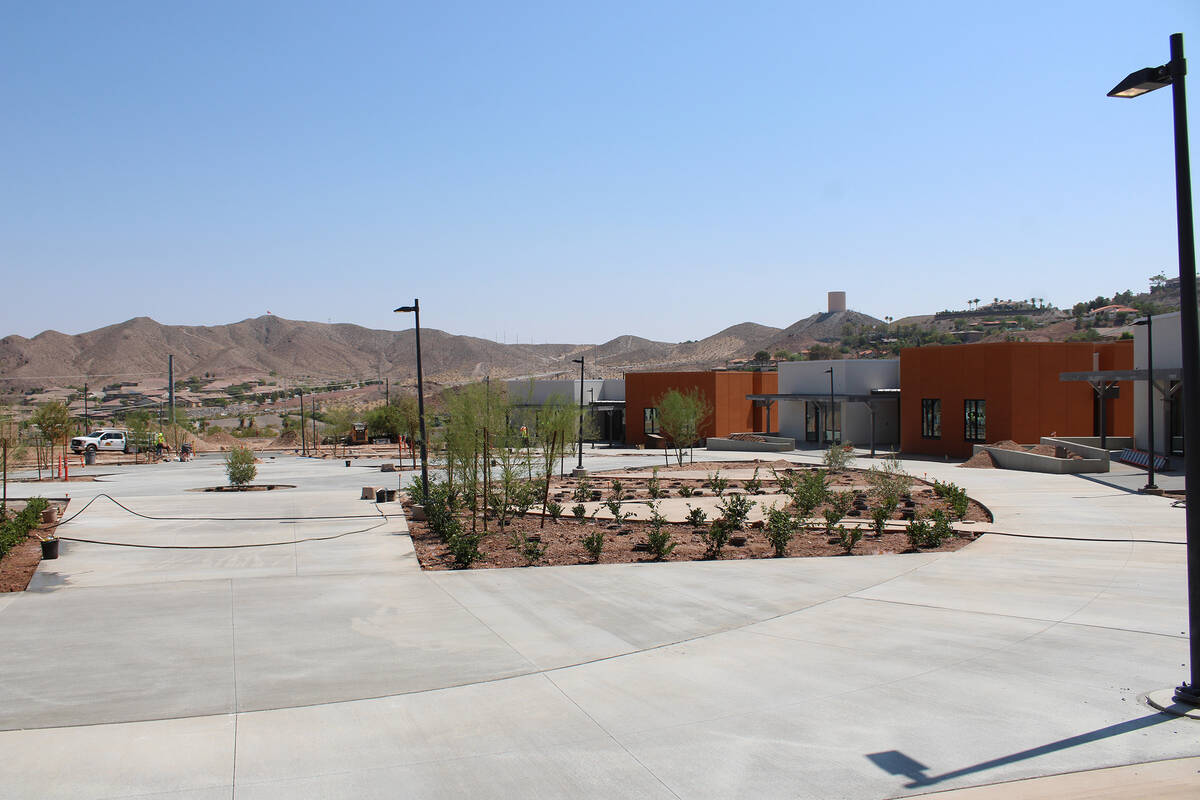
(839, 504)
(653, 487)
(583, 491)
(808, 491)
(556, 509)
(464, 547)
(754, 484)
(686, 491)
(780, 528)
(715, 538)
(717, 483)
(239, 466)
(848, 537)
(838, 457)
(918, 532)
(594, 544)
(13, 531)
(580, 512)
(659, 537)
(696, 516)
(736, 509)
(531, 550)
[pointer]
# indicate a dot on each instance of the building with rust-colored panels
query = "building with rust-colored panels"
(726, 393)
(954, 396)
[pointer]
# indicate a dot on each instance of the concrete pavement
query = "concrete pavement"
(333, 667)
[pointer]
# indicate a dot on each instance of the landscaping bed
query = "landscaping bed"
(529, 539)
(21, 561)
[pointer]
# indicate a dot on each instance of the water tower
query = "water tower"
(837, 301)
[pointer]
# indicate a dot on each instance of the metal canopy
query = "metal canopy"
(1114, 375)
(822, 398)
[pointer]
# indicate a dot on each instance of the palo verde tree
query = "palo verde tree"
(681, 415)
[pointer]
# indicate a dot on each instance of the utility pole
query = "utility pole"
(87, 423)
(171, 386)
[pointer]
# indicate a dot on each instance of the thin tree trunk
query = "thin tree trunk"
(549, 472)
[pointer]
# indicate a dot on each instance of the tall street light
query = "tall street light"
(579, 361)
(1148, 324)
(415, 308)
(1137, 83)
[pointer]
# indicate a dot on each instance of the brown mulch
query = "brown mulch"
(563, 541)
(20, 562)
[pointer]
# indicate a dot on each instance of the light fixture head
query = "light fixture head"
(576, 360)
(1142, 81)
(405, 309)
(1141, 322)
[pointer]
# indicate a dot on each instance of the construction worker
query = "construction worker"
(159, 444)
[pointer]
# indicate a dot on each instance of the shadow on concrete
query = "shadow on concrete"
(895, 762)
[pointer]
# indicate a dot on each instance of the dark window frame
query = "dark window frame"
(975, 420)
(650, 424)
(931, 418)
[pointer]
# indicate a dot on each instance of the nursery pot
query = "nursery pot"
(347, 462)
(49, 549)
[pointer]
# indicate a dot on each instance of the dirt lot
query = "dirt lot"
(563, 539)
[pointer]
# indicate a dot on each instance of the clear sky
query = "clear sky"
(570, 172)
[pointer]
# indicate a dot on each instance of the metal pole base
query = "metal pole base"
(1185, 693)
(1150, 488)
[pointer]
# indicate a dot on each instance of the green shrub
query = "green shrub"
(754, 484)
(583, 491)
(659, 538)
(653, 486)
(848, 537)
(717, 483)
(531, 550)
(839, 504)
(239, 466)
(780, 528)
(686, 491)
(939, 530)
(464, 546)
(808, 491)
(918, 532)
(715, 538)
(736, 509)
(838, 457)
(879, 517)
(696, 516)
(14, 531)
(616, 490)
(955, 496)
(579, 511)
(594, 544)
(556, 509)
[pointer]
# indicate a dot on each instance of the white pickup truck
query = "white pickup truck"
(105, 439)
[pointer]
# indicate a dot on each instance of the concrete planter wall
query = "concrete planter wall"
(773, 444)
(1032, 462)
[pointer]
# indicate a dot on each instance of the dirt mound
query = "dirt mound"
(221, 440)
(286, 439)
(981, 460)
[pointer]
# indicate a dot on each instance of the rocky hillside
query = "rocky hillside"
(296, 349)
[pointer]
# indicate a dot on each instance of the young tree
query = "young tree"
(410, 420)
(681, 415)
(54, 421)
(239, 466)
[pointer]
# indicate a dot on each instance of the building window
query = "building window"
(931, 418)
(975, 420)
(649, 421)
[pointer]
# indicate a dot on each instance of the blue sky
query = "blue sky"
(571, 172)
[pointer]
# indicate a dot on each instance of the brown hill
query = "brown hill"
(307, 350)
(824, 327)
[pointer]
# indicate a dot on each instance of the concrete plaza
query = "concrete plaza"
(321, 662)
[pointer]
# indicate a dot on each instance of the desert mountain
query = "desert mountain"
(823, 327)
(298, 349)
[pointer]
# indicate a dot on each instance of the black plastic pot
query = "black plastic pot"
(49, 549)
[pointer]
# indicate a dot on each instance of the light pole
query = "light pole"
(579, 361)
(830, 371)
(1137, 83)
(1149, 325)
(415, 308)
